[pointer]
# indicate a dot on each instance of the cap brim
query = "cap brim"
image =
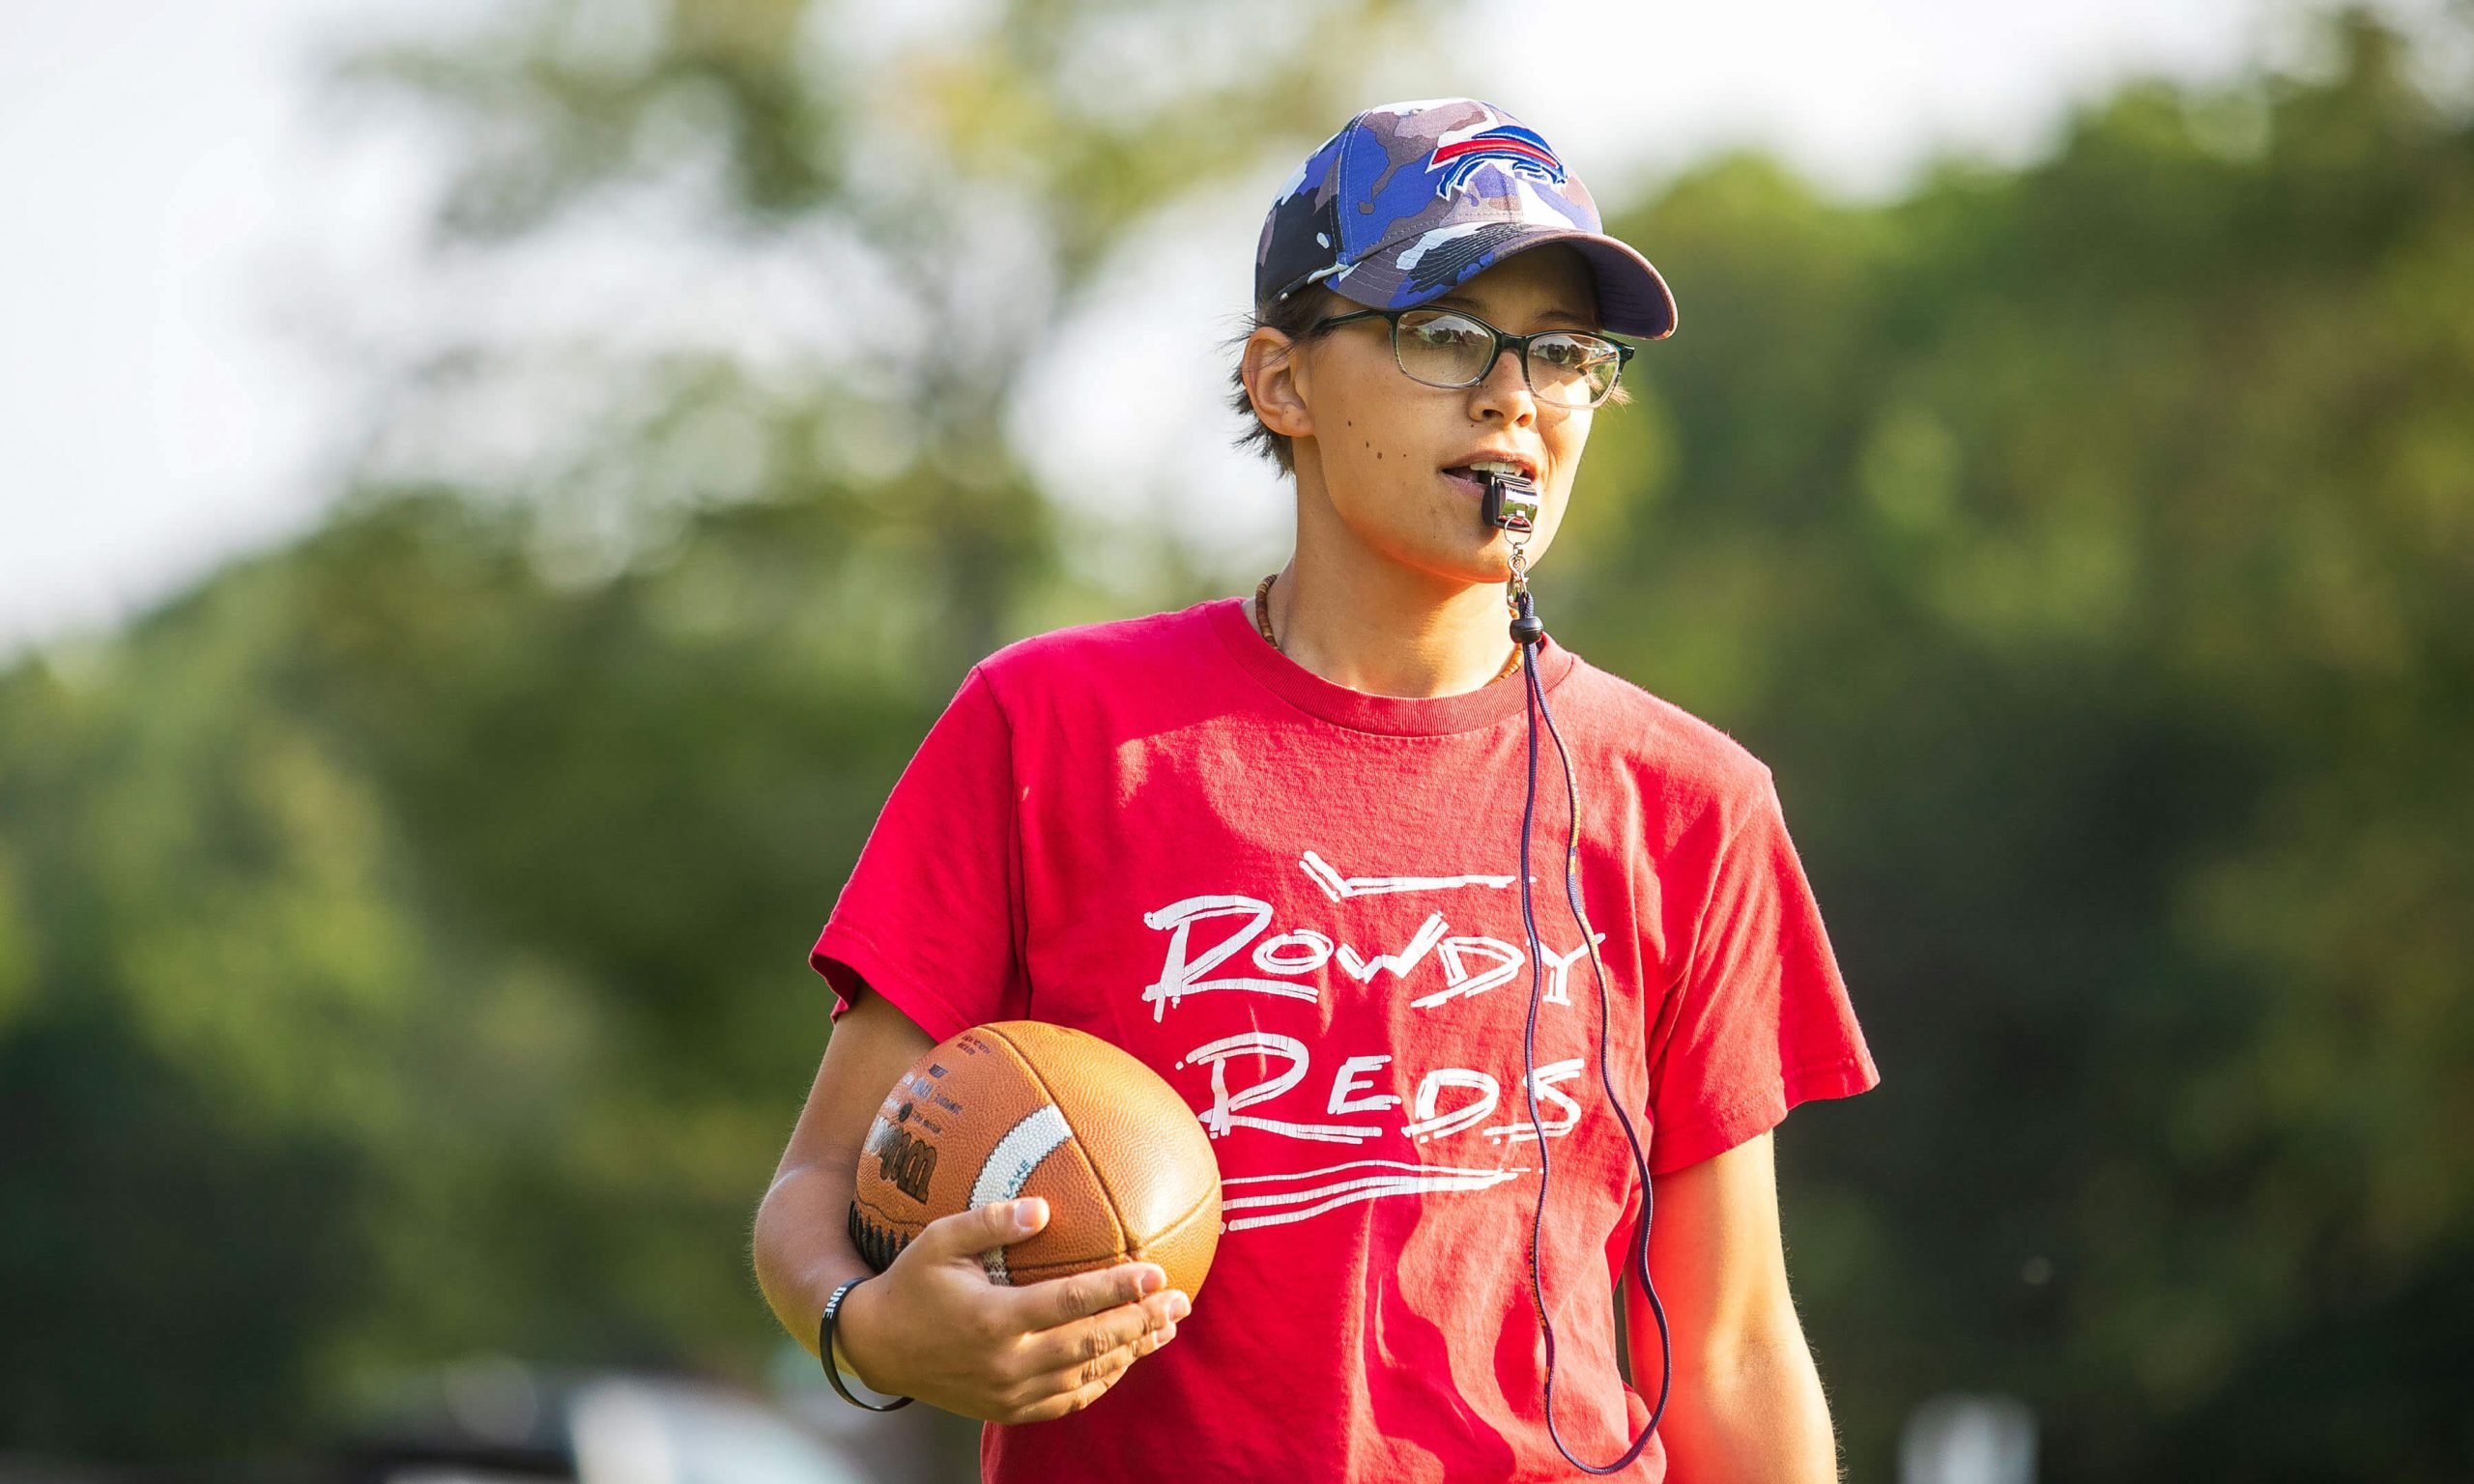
(1632, 299)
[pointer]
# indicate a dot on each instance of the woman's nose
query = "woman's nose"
(1504, 392)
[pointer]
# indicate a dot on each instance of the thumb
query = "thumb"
(984, 1228)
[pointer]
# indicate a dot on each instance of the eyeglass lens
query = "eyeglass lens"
(1444, 349)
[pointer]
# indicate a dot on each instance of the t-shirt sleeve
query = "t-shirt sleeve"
(931, 916)
(1759, 1020)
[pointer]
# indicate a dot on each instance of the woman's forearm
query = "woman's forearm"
(803, 1247)
(1753, 1414)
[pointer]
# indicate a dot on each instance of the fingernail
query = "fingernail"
(1151, 1280)
(1178, 1308)
(1167, 1333)
(1027, 1212)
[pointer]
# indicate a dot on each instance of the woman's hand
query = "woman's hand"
(933, 1326)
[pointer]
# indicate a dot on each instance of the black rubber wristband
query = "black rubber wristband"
(825, 1352)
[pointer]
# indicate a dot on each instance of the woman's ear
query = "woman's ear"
(1275, 376)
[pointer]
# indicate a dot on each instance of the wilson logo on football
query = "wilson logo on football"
(904, 1160)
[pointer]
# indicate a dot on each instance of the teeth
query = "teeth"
(1498, 466)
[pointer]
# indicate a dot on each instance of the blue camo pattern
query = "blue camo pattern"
(1409, 200)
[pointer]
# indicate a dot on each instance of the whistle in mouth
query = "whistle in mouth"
(1509, 502)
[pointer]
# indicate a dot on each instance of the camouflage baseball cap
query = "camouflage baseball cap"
(1411, 200)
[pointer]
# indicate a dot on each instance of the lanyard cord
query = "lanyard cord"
(1536, 707)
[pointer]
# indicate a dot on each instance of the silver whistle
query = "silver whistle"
(1509, 502)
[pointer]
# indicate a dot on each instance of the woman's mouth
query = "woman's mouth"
(1472, 477)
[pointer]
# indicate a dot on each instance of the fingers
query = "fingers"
(1068, 1365)
(1055, 1302)
(1026, 1353)
(1078, 1385)
(1086, 1341)
(983, 1228)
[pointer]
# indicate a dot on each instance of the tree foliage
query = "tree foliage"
(399, 934)
(2088, 547)
(406, 927)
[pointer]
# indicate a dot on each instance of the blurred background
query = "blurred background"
(491, 495)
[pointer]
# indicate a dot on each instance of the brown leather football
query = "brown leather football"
(1022, 1107)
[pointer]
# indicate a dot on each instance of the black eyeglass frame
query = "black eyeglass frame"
(1623, 352)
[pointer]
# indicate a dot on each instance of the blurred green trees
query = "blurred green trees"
(400, 935)
(2090, 550)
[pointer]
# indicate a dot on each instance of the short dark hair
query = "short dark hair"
(1294, 316)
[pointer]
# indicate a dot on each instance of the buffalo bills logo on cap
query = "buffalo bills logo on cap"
(1522, 149)
(1363, 220)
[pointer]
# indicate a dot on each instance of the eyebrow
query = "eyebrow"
(1464, 301)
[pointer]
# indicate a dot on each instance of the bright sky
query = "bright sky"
(181, 208)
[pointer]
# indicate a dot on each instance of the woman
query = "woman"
(1271, 847)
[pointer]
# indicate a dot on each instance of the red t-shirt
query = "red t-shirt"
(1298, 903)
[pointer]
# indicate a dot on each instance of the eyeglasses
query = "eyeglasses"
(1448, 348)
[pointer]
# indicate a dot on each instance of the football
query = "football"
(1022, 1107)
